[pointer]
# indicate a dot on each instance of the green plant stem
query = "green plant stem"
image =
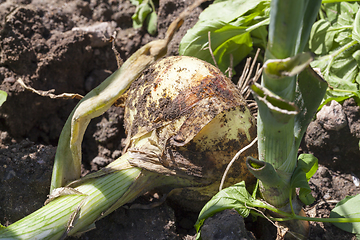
(343, 90)
(92, 198)
(321, 14)
(335, 1)
(98, 195)
(290, 202)
(257, 25)
(285, 18)
(297, 217)
(289, 29)
(340, 28)
(333, 55)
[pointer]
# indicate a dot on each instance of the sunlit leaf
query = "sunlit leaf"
(321, 37)
(348, 208)
(306, 167)
(145, 15)
(235, 196)
(152, 23)
(226, 39)
(231, 10)
(356, 29)
(3, 96)
(230, 31)
(336, 40)
(341, 12)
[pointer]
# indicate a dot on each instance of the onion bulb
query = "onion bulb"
(183, 117)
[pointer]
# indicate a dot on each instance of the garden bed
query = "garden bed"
(50, 46)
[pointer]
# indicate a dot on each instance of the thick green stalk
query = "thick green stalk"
(97, 196)
(290, 24)
(46, 223)
(276, 142)
(286, 19)
(88, 199)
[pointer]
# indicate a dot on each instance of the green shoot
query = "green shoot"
(3, 96)
(145, 15)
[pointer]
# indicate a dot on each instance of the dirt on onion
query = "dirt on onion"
(183, 117)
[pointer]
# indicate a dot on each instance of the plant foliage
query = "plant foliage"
(233, 31)
(235, 196)
(3, 96)
(348, 208)
(145, 15)
(306, 167)
(335, 38)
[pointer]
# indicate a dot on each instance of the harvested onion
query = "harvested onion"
(185, 121)
(183, 117)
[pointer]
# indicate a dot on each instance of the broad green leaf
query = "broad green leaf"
(321, 37)
(142, 11)
(329, 96)
(235, 196)
(3, 96)
(356, 56)
(225, 40)
(347, 15)
(238, 47)
(230, 31)
(356, 28)
(151, 23)
(348, 208)
(345, 66)
(230, 10)
(341, 13)
(337, 44)
(343, 37)
(259, 37)
(136, 2)
(341, 87)
(309, 164)
(357, 80)
(306, 167)
(145, 15)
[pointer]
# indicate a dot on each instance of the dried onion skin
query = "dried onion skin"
(183, 117)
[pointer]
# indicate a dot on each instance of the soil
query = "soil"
(49, 45)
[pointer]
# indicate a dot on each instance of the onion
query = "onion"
(185, 121)
(183, 117)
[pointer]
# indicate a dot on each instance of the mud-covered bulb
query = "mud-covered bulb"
(183, 117)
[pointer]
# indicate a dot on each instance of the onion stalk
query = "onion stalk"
(283, 117)
(288, 97)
